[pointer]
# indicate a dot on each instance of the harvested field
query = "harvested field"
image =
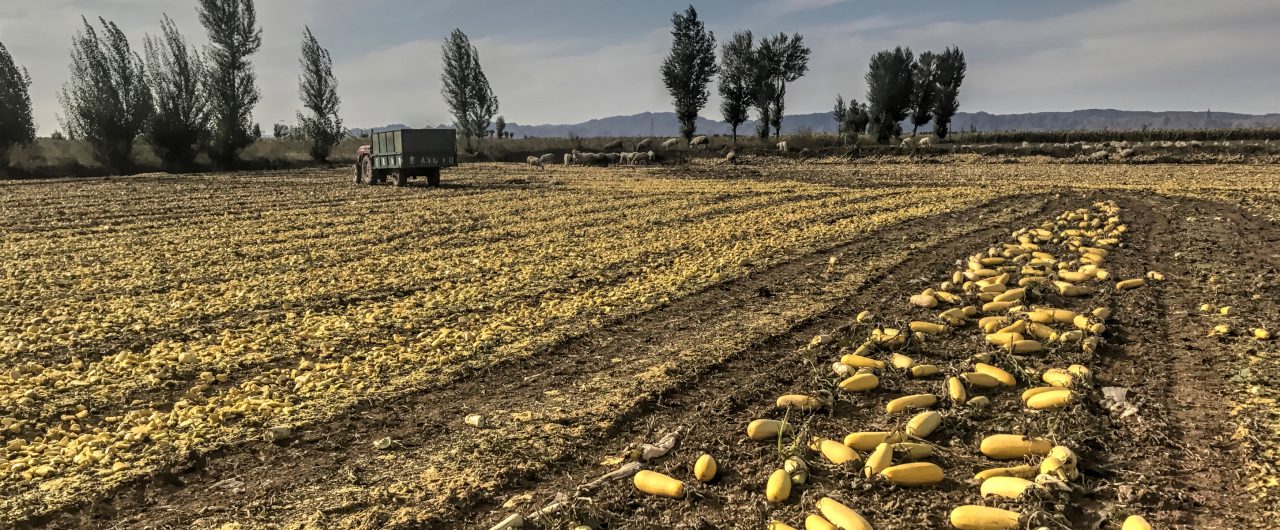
(285, 350)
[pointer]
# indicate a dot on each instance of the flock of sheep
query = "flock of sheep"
(643, 153)
(613, 154)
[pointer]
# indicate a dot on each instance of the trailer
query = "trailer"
(404, 154)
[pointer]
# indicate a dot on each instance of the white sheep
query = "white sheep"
(1180, 144)
(1126, 152)
(534, 161)
(568, 159)
(671, 144)
(782, 146)
(906, 142)
(628, 158)
(1099, 156)
(700, 141)
(926, 141)
(547, 159)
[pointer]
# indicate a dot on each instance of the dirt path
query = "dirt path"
(1183, 377)
(545, 410)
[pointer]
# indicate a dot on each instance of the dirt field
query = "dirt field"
(285, 350)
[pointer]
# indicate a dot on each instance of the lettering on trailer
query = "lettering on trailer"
(414, 160)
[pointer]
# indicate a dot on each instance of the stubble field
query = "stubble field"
(286, 350)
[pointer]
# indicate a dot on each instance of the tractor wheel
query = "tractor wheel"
(363, 171)
(402, 179)
(433, 177)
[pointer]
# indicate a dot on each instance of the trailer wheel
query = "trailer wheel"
(402, 179)
(433, 177)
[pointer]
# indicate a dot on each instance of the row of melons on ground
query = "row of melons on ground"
(992, 296)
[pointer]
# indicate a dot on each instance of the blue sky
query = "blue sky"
(565, 61)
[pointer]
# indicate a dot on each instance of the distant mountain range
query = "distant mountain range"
(663, 124)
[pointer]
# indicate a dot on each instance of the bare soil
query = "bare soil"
(710, 363)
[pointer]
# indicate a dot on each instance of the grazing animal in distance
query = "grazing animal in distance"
(702, 141)
(732, 157)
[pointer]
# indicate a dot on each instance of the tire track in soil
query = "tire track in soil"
(1200, 483)
(249, 477)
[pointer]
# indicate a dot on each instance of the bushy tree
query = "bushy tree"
(465, 88)
(779, 60)
(107, 102)
(176, 73)
(737, 72)
(791, 63)
(889, 85)
(16, 124)
(858, 118)
(318, 88)
(689, 68)
(500, 126)
(234, 36)
(280, 130)
(924, 78)
(950, 74)
(851, 119)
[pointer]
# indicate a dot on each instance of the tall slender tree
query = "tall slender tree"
(16, 125)
(950, 73)
(889, 85)
(500, 126)
(841, 114)
(736, 75)
(318, 88)
(465, 88)
(792, 63)
(689, 67)
(234, 36)
(924, 78)
(765, 65)
(107, 102)
(176, 73)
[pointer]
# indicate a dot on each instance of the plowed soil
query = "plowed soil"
(709, 363)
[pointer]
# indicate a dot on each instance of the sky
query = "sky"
(567, 61)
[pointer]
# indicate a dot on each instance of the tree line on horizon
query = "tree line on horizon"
(754, 76)
(186, 100)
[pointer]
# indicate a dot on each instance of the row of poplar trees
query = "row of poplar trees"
(900, 86)
(182, 99)
(753, 75)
